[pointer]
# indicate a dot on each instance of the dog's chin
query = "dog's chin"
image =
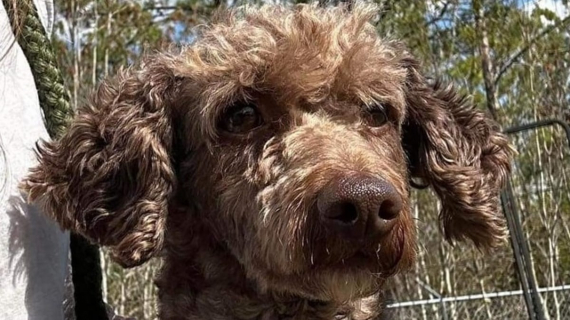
(329, 285)
(358, 277)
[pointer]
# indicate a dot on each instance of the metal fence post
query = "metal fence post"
(521, 251)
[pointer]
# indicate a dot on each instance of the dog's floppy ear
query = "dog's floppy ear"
(461, 154)
(110, 177)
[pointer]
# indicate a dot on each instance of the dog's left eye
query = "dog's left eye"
(241, 118)
(376, 116)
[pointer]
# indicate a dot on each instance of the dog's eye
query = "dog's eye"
(241, 118)
(376, 116)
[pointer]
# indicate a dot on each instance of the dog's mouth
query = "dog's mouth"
(334, 276)
(377, 260)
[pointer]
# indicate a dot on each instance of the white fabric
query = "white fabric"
(33, 250)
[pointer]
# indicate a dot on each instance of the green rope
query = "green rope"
(54, 99)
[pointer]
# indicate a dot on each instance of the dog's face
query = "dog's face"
(295, 150)
(291, 136)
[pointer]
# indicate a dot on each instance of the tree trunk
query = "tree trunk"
(486, 61)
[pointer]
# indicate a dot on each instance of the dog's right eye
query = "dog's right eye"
(376, 116)
(241, 119)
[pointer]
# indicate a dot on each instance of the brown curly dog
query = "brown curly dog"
(269, 165)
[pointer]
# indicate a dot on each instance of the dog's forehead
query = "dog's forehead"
(300, 55)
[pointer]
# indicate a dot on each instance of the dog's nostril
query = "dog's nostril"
(345, 213)
(389, 210)
(359, 206)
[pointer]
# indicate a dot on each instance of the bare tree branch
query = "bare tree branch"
(439, 15)
(427, 24)
(486, 61)
(517, 54)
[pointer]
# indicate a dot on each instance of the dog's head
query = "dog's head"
(289, 137)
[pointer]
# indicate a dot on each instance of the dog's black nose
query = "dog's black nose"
(359, 206)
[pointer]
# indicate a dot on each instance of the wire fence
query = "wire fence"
(530, 279)
(490, 305)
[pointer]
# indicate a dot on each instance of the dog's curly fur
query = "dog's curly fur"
(146, 169)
